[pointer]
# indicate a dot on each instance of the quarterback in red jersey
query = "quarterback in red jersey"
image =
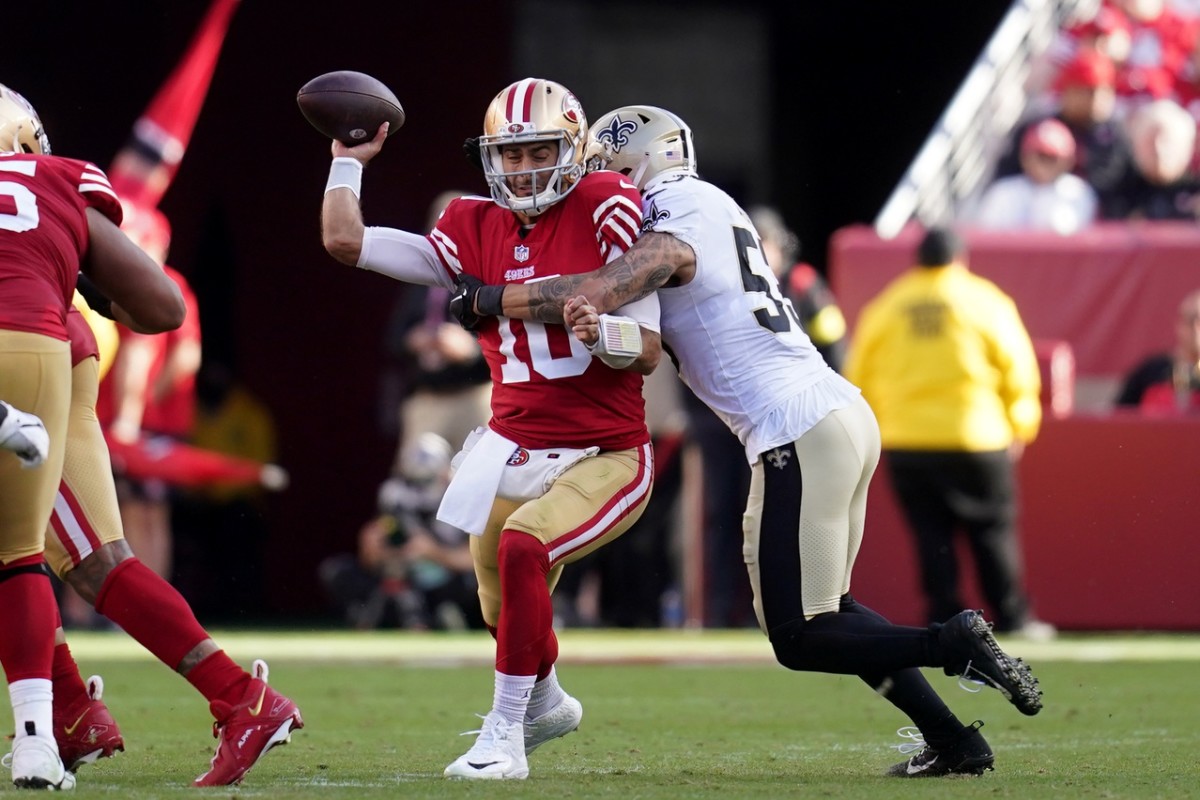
(57, 216)
(565, 464)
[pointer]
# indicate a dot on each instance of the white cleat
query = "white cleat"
(36, 765)
(498, 753)
(557, 722)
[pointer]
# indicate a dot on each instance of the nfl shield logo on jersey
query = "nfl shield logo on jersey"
(521, 253)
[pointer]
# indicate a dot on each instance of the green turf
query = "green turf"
(382, 721)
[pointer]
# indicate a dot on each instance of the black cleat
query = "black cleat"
(970, 755)
(972, 653)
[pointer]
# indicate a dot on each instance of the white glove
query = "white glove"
(25, 435)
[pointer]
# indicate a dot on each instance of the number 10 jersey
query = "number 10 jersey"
(547, 390)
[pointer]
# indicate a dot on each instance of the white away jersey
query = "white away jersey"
(734, 337)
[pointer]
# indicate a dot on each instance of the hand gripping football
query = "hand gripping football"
(349, 106)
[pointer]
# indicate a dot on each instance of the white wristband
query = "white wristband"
(345, 173)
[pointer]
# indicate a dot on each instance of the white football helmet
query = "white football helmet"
(534, 110)
(20, 128)
(643, 141)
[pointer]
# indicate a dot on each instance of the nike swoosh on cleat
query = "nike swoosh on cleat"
(914, 769)
(70, 729)
(473, 765)
(256, 709)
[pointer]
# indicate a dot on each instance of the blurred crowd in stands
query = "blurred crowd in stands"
(1124, 83)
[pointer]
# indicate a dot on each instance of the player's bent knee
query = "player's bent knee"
(88, 577)
(519, 550)
(788, 642)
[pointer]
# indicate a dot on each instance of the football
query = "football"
(349, 106)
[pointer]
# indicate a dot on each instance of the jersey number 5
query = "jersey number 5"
(778, 313)
(18, 205)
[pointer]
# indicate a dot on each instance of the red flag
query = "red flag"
(146, 165)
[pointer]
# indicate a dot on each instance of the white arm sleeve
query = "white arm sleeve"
(621, 332)
(645, 312)
(405, 256)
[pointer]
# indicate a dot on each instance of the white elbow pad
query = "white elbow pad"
(620, 341)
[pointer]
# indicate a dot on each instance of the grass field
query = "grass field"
(668, 714)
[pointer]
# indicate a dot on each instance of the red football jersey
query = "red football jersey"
(548, 391)
(44, 235)
(174, 413)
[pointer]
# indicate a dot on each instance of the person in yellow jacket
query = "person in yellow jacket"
(942, 356)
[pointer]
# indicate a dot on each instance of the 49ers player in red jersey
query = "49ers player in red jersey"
(565, 464)
(86, 548)
(57, 216)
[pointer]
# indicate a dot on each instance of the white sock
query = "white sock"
(512, 696)
(546, 695)
(32, 703)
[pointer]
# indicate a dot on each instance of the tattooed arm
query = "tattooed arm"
(656, 259)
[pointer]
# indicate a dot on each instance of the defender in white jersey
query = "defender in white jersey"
(811, 439)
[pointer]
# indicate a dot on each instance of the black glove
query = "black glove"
(469, 294)
(471, 151)
(94, 297)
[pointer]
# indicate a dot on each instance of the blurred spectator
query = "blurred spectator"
(1163, 136)
(1160, 41)
(149, 392)
(411, 571)
(1103, 29)
(1045, 195)
(446, 383)
(1187, 90)
(820, 315)
(1169, 383)
(1086, 104)
(946, 363)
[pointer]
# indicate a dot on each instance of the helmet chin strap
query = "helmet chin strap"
(636, 177)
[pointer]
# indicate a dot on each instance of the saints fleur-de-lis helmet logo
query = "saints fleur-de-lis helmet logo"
(616, 133)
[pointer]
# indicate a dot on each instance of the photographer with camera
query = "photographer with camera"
(410, 571)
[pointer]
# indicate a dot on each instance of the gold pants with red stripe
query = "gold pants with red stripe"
(86, 514)
(590, 505)
(35, 376)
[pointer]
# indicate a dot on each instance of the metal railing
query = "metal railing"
(958, 158)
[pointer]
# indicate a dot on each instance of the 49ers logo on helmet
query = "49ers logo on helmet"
(520, 456)
(572, 110)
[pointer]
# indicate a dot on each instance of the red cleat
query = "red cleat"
(86, 731)
(263, 719)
